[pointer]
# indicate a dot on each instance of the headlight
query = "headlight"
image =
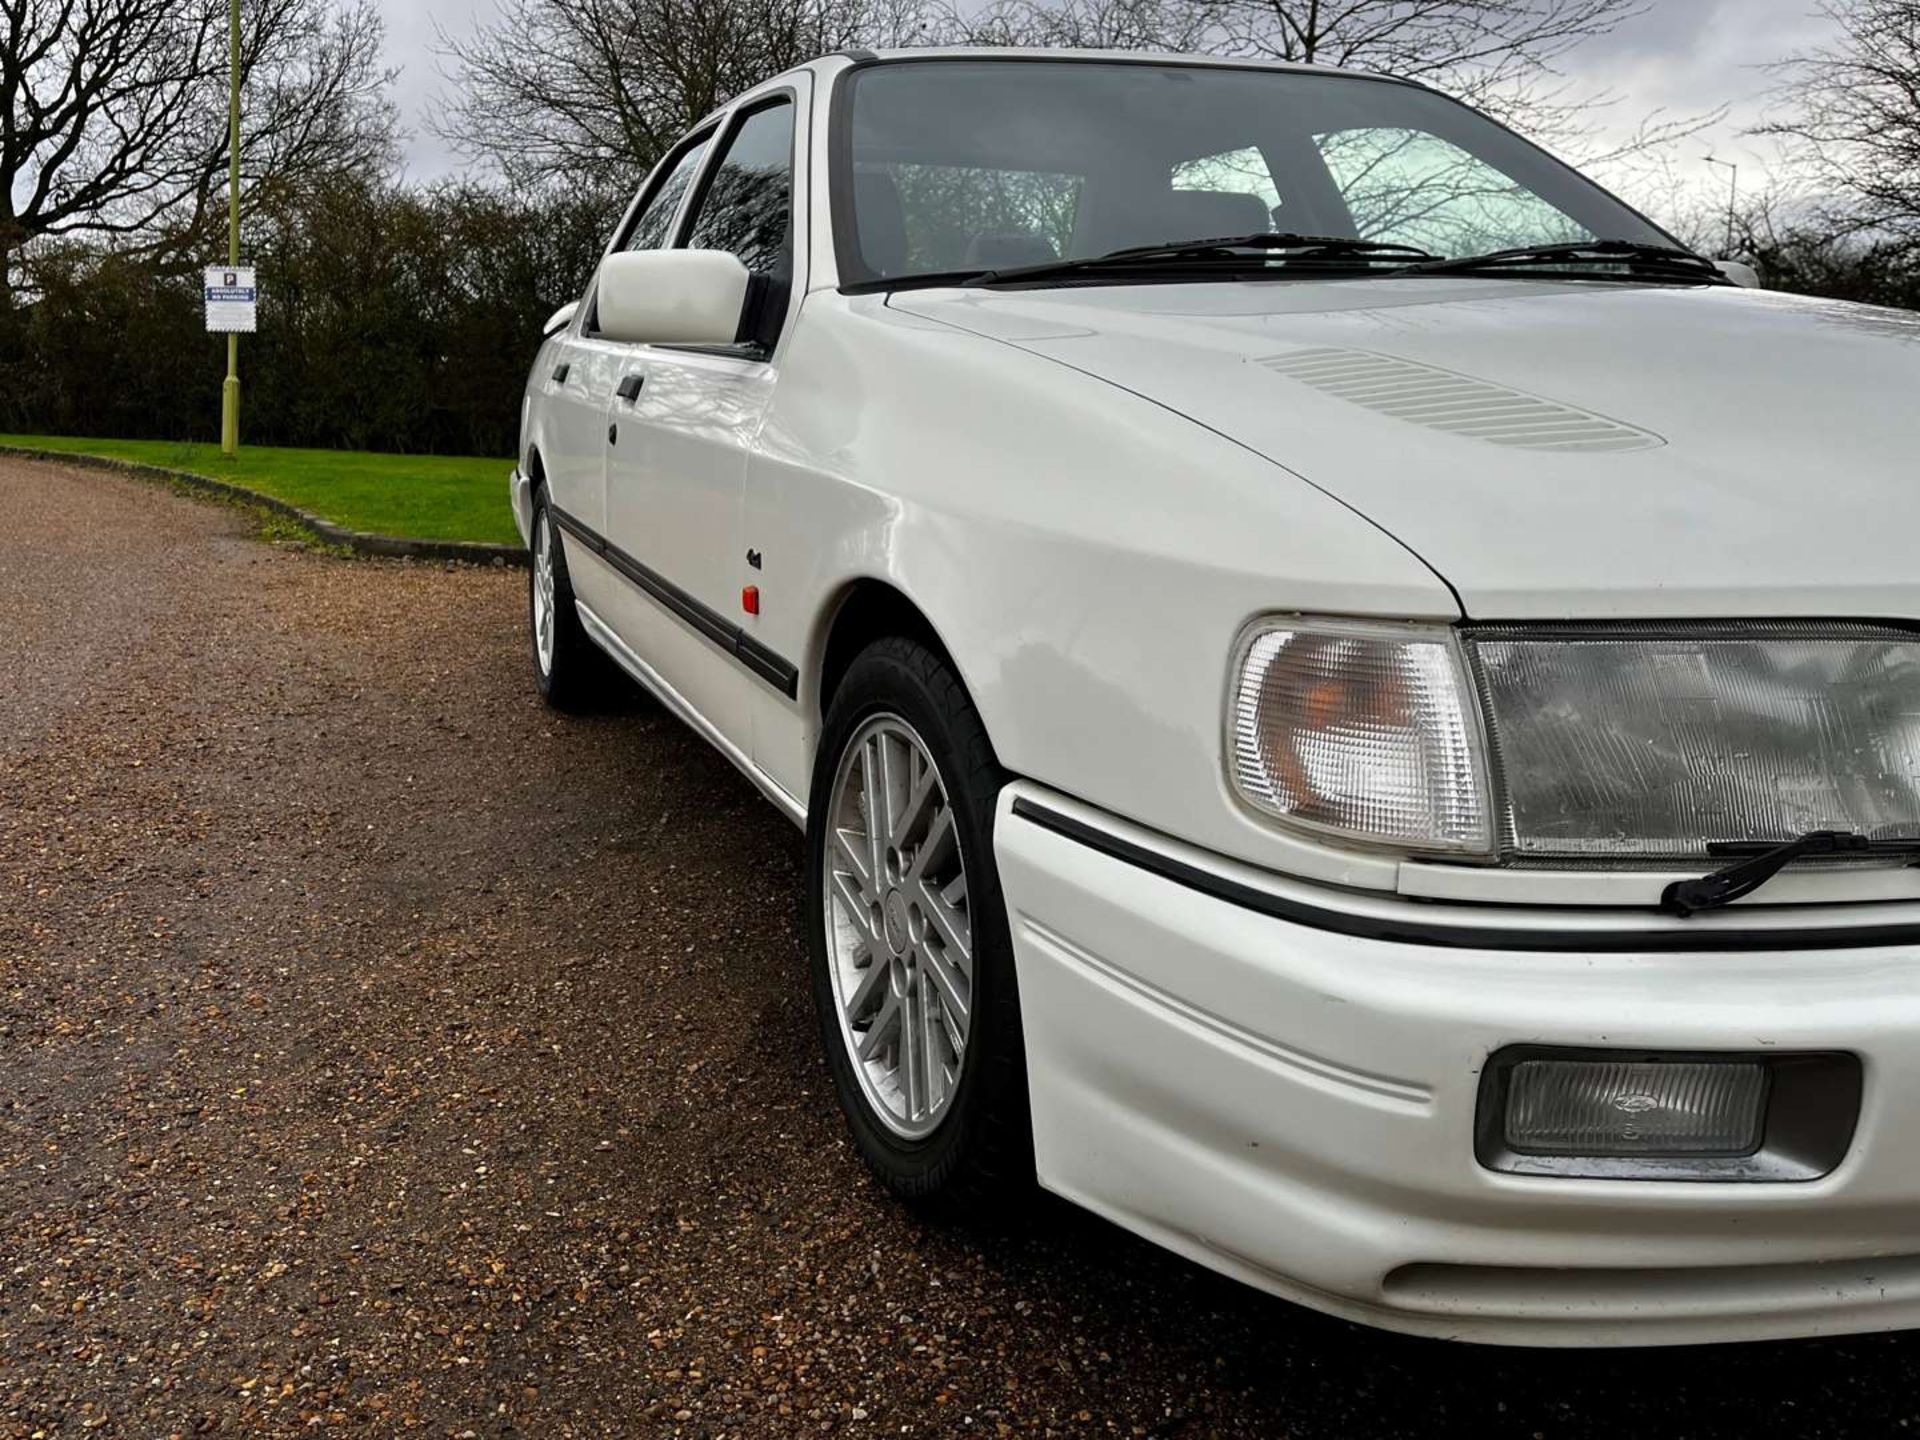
(1637, 742)
(1660, 742)
(1360, 732)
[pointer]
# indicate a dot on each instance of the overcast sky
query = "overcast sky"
(1683, 56)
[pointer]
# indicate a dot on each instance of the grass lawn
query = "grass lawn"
(420, 497)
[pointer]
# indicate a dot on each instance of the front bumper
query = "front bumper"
(1296, 1107)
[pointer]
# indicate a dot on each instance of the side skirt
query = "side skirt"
(628, 660)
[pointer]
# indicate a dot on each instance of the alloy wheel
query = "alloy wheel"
(543, 587)
(899, 928)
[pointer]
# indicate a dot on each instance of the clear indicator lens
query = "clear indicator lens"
(1636, 1108)
(1361, 732)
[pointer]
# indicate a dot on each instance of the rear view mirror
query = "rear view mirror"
(1739, 272)
(672, 297)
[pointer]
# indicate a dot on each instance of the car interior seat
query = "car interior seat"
(1121, 217)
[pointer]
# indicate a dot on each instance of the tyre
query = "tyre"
(570, 670)
(912, 963)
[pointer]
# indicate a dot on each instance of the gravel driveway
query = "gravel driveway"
(385, 1054)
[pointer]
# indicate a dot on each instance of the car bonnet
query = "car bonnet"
(1552, 449)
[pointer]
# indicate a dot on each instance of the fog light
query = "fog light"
(1624, 1109)
(1579, 1114)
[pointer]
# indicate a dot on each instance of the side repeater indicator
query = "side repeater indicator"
(750, 599)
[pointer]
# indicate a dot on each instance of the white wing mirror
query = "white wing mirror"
(672, 297)
(559, 320)
(1739, 272)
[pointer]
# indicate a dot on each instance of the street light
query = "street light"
(230, 393)
(1733, 198)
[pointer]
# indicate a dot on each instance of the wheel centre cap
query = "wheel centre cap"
(894, 916)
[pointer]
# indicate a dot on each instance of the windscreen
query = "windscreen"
(956, 165)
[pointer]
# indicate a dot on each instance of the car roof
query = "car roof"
(1134, 57)
(827, 66)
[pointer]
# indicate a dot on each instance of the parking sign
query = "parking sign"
(233, 300)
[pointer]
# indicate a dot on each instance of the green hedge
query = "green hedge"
(392, 320)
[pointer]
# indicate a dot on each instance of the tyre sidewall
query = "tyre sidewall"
(542, 513)
(984, 1131)
(580, 673)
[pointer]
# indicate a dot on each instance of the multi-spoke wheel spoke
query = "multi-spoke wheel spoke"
(948, 919)
(883, 1030)
(949, 984)
(871, 993)
(543, 590)
(899, 927)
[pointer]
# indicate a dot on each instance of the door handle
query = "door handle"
(560, 375)
(631, 386)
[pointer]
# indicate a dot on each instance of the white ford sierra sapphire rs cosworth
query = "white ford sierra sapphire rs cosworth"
(1355, 707)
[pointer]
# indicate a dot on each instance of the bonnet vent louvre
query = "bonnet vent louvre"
(1457, 404)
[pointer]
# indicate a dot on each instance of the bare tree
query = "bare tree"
(1854, 108)
(591, 92)
(588, 93)
(113, 112)
(1170, 25)
(1493, 53)
(1502, 56)
(1480, 50)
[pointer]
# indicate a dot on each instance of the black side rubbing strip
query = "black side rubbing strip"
(769, 665)
(1444, 935)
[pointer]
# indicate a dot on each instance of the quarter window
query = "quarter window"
(747, 207)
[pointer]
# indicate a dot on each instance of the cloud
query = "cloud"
(1691, 57)
(1668, 26)
(1704, 53)
(413, 27)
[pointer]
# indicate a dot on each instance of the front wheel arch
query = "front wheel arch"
(866, 611)
(982, 1152)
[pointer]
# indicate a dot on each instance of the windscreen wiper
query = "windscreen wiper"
(1641, 262)
(1687, 898)
(1244, 251)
